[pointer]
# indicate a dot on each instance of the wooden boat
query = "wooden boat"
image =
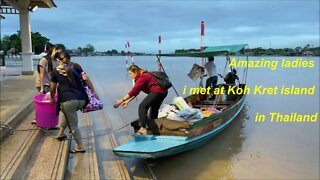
(198, 132)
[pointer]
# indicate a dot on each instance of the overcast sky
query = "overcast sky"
(110, 24)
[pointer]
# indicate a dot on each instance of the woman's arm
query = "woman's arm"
(89, 84)
(124, 101)
(53, 87)
(132, 94)
(43, 64)
(41, 78)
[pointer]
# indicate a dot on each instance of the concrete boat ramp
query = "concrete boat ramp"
(29, 152)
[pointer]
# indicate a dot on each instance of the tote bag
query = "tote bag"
(94, 103)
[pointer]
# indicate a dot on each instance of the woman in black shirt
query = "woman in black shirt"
(71, 97)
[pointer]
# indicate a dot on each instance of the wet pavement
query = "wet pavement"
(37, 145)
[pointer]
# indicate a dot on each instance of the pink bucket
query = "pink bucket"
(45, 112)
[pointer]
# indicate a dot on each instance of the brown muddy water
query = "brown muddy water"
(246, 149)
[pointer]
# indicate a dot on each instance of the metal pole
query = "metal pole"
(1, 50)
(126, 56)
(201, 49)
(159, 44)
(166, 73)
(132, 60)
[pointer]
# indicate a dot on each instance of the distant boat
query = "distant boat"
(198, 132)
(44, 53)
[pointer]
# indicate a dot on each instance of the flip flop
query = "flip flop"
(74, 150)
(33, 121)
(137, 134)
(141, 132)
(61, 138)
(54, 128)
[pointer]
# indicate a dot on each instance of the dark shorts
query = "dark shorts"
(212, 82)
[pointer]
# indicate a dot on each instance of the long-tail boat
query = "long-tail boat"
(191, 134)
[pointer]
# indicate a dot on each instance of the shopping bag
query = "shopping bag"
(94, 103)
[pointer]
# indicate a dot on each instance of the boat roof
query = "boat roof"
(209, 51)
(33, 3)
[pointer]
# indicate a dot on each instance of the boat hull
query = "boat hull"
(149, 146)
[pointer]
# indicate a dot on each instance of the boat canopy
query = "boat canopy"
(209, 51)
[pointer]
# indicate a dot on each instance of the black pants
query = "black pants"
(212, 82)
(153, 102)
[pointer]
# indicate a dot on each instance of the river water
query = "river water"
(246, 149)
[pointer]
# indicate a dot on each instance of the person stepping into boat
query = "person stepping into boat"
(148, 84)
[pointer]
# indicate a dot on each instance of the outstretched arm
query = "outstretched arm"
(124, 101)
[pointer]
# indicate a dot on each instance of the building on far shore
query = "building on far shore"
(307, 53)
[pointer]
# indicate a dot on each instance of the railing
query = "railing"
(8, 10)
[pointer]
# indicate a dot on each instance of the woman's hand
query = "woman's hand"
(117, 104)
(52, 100)
(125, 104)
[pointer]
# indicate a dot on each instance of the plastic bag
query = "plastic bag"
(46, 97)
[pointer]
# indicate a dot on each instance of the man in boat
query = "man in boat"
(230, 80)
(231, 77)
(148, 84)
(211, 70)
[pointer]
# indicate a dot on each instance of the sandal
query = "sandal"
(138, 134)
(33, 121)
(141, 131)
(54, 128)
(75, 150)
(61, 138)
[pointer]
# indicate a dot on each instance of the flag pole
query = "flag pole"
(159, 48)
(201, 49)
(126, 52)
(130, 52)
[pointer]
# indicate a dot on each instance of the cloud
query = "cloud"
(245, 29)
(110, 24)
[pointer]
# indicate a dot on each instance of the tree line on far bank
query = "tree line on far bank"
(13, 43)
(259, 51)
